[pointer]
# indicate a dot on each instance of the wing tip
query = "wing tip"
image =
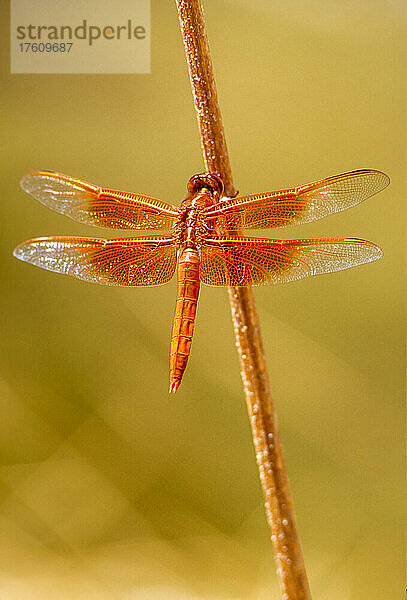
(383, 180)
(373, 251)
(370, 251)
(24, 181)
(377, 252)
(22, 249)
(17, 252)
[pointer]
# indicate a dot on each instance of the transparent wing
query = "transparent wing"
(302, 204)
(125, 261)
(255, 261)
(88, 203)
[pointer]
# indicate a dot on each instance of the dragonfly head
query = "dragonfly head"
(209, 181)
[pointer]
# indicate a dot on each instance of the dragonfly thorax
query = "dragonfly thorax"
(205, 190)
(190, 228)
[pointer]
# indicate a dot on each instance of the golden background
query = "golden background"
(112, 489)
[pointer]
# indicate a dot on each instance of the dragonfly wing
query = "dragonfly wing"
(123, 261)
(255, 261)
(302, 204)
(88, 203)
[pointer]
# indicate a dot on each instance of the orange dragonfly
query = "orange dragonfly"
(204, 233)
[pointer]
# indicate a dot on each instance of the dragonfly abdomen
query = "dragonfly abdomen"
(184, 318)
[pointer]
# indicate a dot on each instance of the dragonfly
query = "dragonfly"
(203, 234)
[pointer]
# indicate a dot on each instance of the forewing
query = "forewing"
(88, 203)
(298, 205)
(125, 261)
(255, 261)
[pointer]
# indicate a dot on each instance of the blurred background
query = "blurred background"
(110, 488)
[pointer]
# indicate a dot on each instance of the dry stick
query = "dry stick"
(279, 507)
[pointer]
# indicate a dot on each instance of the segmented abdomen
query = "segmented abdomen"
(184, 318)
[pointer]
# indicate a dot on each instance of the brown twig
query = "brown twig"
(273, 475)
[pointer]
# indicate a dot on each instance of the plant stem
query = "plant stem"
(273, 475)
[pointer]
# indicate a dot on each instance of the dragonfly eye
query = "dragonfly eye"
(209, 181)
